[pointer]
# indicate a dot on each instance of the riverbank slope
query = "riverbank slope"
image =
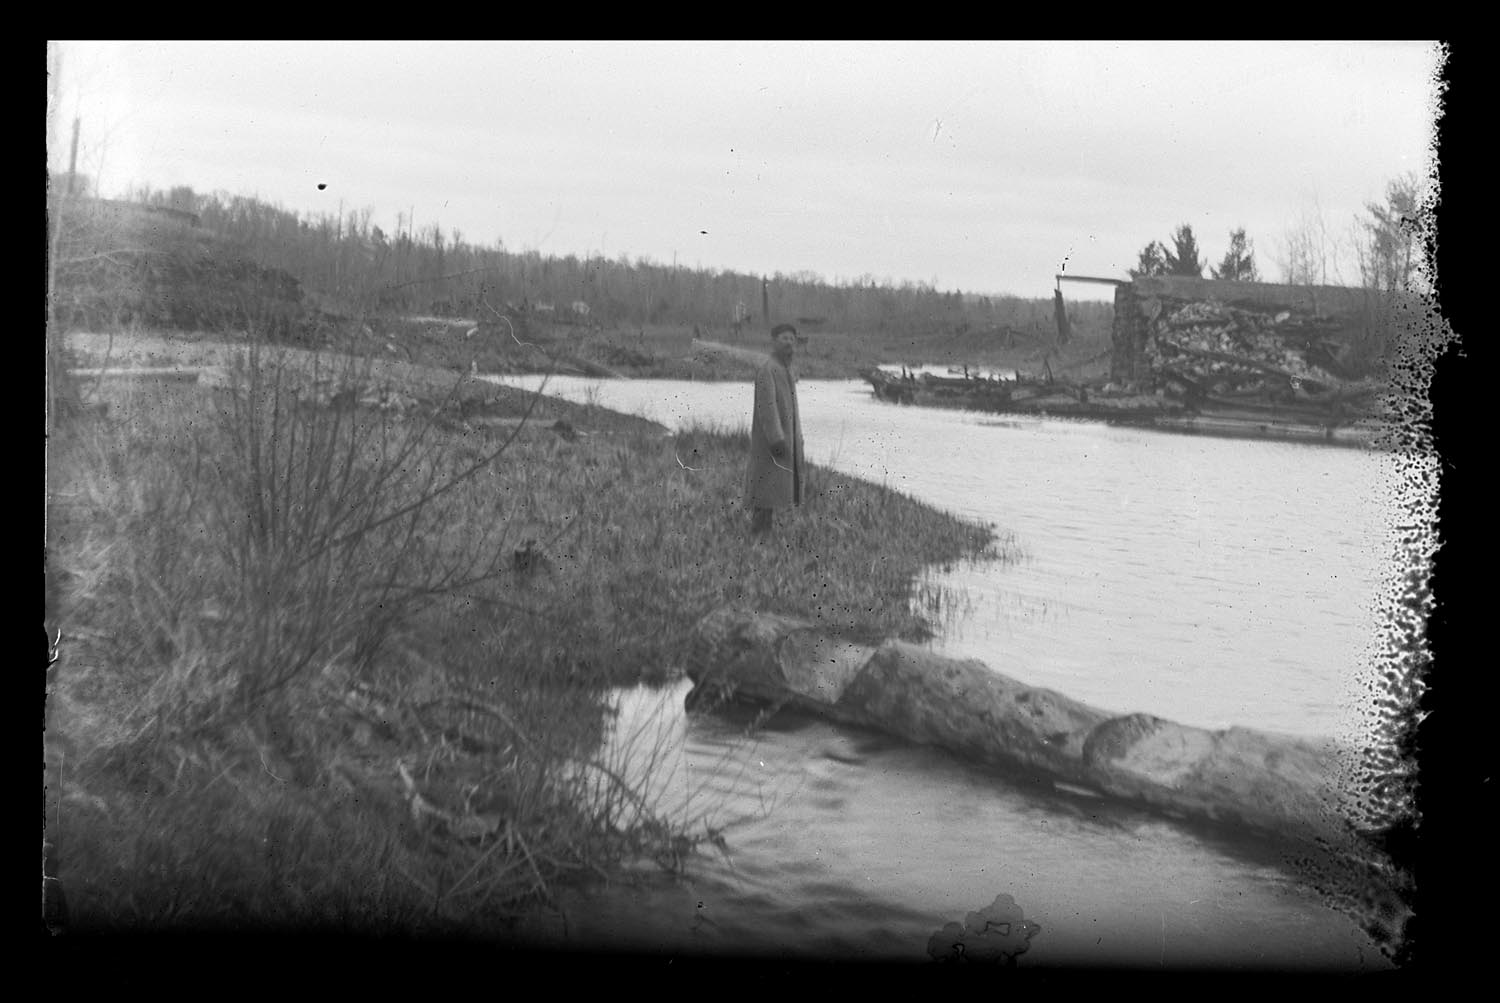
(337, 636)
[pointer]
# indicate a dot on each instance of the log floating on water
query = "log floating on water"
(1274, 784)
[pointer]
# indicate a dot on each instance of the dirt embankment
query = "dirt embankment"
(712, 349)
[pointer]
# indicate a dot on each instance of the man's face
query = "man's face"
(785, 345)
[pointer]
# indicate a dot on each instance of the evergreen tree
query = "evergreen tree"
(1239, 261)
(1153, 261)
(1184, 259)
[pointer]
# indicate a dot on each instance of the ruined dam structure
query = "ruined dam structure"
(1229, 358)
(1247, 349)
(1279, 786)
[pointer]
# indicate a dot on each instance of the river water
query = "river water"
(1209, 581)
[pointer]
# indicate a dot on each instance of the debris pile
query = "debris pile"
(1206, 356)
(1220, 345)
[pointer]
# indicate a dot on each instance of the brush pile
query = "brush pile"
(1208, 352)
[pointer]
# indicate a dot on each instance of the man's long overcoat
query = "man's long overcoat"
(769, 482)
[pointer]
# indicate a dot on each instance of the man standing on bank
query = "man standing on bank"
(775, 473)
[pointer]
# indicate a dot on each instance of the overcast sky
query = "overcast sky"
(982, 166)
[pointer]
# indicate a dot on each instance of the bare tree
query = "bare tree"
(1309, 252)
(1389, 253)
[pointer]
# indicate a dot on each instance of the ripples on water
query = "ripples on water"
(1208, 581)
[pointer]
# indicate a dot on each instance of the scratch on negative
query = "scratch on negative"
(497, 313)
(523, 344)
(684, 466)
(267, 766)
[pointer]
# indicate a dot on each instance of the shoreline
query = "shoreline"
(590, 541)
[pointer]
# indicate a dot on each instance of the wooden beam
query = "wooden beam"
(1090, 278)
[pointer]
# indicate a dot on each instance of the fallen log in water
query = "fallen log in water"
(1275, 784)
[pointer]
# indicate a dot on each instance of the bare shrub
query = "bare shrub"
(295, 527)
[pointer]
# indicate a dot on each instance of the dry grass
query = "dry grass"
(260, 709)
(332, 665)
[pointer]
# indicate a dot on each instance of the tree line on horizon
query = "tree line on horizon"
(350, 263)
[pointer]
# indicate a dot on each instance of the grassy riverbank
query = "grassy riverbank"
(337, 638)
(643, 352)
